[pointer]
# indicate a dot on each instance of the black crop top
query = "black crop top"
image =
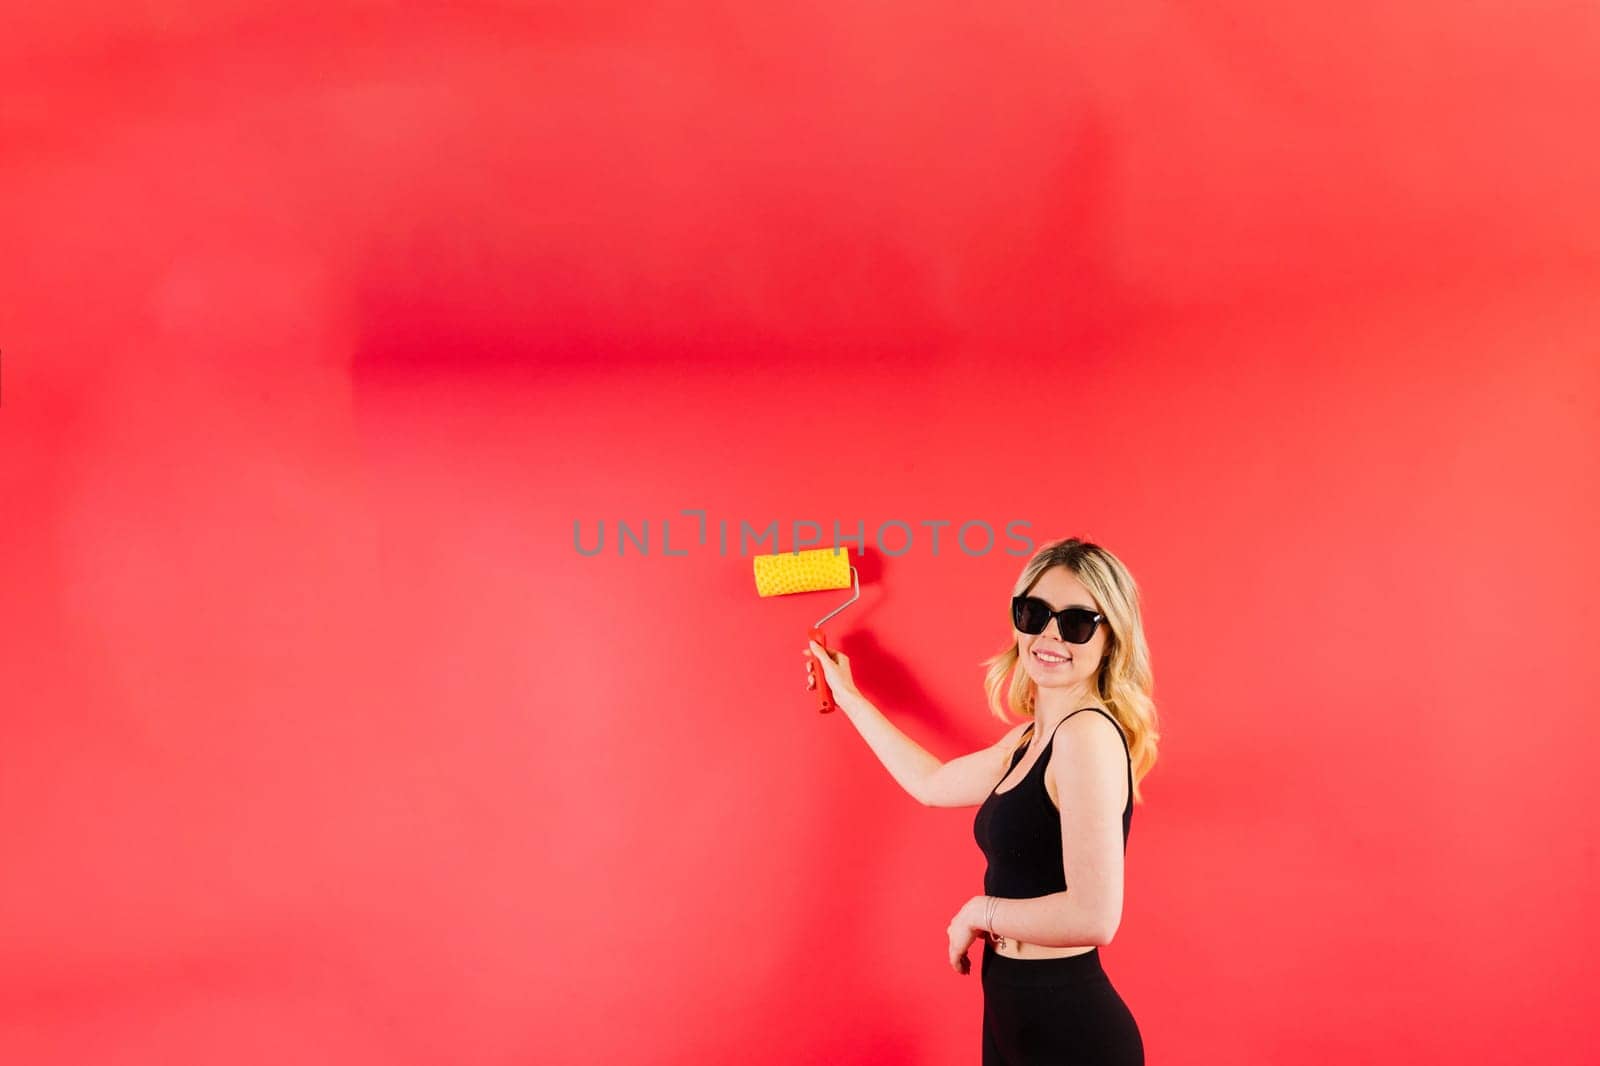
(1019, 830)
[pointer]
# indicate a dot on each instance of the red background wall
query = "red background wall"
(323, 325)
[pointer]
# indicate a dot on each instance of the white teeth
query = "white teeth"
(1047, 657)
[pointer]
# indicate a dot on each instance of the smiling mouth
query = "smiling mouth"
(1051, 660)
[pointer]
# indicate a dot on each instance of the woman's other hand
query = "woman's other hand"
(964, 928)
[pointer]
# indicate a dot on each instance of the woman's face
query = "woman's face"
(1050, 660)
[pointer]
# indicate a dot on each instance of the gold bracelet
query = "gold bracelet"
(994, 905)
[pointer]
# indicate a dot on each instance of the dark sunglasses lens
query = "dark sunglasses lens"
(1078, 627)
(1030, 615)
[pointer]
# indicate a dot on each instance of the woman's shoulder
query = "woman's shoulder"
(1105, 712)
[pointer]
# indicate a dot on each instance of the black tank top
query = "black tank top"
(1019, 830)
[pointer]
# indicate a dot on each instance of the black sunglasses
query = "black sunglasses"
(1032, 615)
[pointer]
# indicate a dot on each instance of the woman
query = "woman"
(1053, 815)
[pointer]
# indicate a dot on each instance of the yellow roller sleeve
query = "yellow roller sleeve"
(807, 571)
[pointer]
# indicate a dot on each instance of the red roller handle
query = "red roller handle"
(823, 691)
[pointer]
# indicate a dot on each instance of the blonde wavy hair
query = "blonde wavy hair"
(1123, 682)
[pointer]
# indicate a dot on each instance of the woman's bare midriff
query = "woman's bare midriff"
(1017, 950)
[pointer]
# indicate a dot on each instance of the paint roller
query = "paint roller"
(810, 571)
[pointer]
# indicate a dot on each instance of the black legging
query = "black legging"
(1055, 1012)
